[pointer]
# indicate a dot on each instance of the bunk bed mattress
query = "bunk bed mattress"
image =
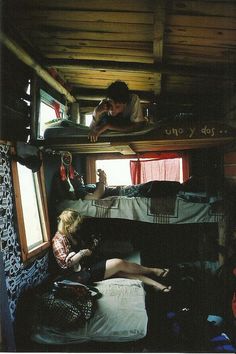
(78, 130)
(168, 210)
(120, 317)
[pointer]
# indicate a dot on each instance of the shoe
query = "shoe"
(166, 289)
(164, 273)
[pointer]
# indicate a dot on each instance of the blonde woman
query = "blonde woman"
(65, 245)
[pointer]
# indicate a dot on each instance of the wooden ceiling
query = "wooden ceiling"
(179, 54)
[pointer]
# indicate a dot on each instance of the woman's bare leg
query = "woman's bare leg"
(115, 265)
(148, 281)
(130, 270)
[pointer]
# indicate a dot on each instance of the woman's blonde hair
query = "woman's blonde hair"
(69, 222)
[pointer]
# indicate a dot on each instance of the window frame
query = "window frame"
(43, 214)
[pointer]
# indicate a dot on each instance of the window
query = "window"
(50, 111)
(126, 171)
(32, 217)
(113, 170)
(88, 119)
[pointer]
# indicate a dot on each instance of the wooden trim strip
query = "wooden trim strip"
(161, 68)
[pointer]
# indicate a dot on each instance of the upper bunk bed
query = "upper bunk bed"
(155, 137)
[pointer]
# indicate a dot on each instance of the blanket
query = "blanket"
(162, 210)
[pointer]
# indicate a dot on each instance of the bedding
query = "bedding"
(181, 209)
(120, 317)
(66, 128)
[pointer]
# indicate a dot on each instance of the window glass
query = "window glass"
(88, 119)
(47, 114)
(50, 111)
(29, 198)
(118, 170)
(32, 217)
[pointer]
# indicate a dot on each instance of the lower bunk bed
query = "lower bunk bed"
(120, 317)
(128, 313)
(128, 319)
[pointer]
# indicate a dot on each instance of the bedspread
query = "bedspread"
(168, 210)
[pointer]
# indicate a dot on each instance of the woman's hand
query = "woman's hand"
(73, 259)
(85, 252)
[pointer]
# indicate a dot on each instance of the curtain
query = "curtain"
(159, 166)
(56, 107)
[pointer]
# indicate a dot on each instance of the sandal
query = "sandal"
(167, 289)
(164, 273)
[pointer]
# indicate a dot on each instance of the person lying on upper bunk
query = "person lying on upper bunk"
(79, 261)
(120, 111)
(68, 184)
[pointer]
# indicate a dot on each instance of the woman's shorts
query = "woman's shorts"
(89, 274)
(97, 271)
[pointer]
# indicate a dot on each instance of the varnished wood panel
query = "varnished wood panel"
(179, 33)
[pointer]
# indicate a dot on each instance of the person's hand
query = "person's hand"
(85, 252)
(93, 135)
(96, 132)
(104, 106)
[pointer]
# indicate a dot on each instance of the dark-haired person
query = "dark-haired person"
(120, 111)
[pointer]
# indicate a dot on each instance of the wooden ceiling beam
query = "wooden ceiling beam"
(89, 94)
(158, 40)
(29, 61)
(98, 94)
(217, 71)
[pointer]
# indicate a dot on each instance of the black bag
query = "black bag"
(67, 305)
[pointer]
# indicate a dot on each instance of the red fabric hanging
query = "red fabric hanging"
(62, 172)
(56, 107)
(159, 166)
(72, 172)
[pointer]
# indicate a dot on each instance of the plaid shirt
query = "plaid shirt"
(62, 250)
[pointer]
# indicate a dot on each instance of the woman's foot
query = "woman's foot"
(162, 289)
(166, 289)
(161, 272)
